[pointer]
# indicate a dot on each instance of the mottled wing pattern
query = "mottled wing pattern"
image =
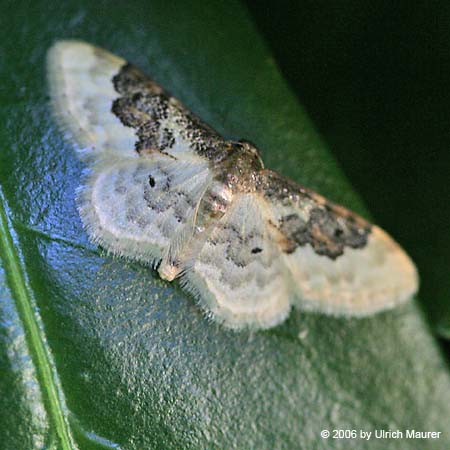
(138, 207)
(239, 276)
(111, 109)
(339, 263)
(161, 122)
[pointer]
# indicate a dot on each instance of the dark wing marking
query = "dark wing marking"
(161, 122)
(307, 218)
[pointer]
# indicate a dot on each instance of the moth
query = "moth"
(165, 189)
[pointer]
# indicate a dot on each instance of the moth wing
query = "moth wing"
(138, 207)
(238, 276)
(82, 93)
(113, 110)
(339, 263)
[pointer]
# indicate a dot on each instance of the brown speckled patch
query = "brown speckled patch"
(327, 233)
(143, 105)
(326, 227)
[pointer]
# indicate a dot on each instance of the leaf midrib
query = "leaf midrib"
(16, 279)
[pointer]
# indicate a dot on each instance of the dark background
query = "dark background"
(374, 77)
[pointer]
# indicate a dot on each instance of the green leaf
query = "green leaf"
(98, 352)
(21, 322)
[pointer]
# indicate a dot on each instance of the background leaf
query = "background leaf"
(132, 361)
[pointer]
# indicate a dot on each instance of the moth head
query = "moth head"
(251, 152)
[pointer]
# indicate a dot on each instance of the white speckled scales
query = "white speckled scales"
(82, 93)
(165, 189)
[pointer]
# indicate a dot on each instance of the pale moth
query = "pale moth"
(165, 189)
